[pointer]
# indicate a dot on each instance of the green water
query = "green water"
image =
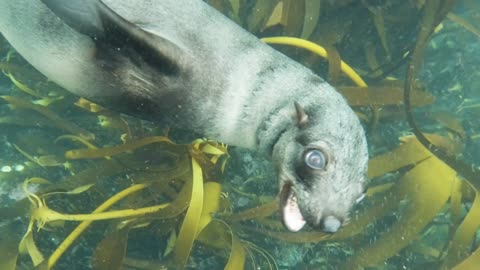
(421, 212)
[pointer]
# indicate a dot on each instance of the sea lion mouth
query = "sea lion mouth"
(292, 218)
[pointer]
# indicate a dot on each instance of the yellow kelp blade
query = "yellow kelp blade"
(469, 27)
(461, 243)
(236, 260)
(260, 211)
(301, 238)
(382, 96)
(51, 115)
(219, 235)
(428, 187)
(89, 106)
(312, 14)
(76, 139)
(172, 239)
(74, 191)
(379, 22)
(134, 263)
(9, 246)
(27, 245)
(317, 49)
(456, 202)
(110, 252)
(408, 153)
(209, 147)
(450, 121)
(382, 204)
(259, 14)
(236, 6)
(114, 150)
(334, 64)
(22, 86)
(293, 14)
(26, 120)
(67, 242)
(470, 263)
(211, 203)
(50, 161)
(32, 197)
(188, 230)
(276, 18)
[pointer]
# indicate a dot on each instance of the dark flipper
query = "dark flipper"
(109, 30)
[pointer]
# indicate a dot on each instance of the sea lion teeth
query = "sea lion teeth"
(291, 215)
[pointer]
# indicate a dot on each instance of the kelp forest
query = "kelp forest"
(84, 187)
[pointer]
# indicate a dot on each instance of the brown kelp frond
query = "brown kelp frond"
(52, 116)
(115, 150)
(435, 11)
(268, 258)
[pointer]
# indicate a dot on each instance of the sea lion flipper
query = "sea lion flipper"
(109, 30)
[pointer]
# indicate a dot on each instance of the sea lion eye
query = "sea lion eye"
(315, 159)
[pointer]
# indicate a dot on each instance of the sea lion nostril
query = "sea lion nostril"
(330, 224)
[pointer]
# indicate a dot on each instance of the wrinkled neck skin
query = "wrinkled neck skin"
(255, 117)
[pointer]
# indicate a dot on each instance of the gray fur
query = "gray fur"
(219, 80)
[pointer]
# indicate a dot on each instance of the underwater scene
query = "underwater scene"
(88, 185)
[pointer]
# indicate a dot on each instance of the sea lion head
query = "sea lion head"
(321, 163)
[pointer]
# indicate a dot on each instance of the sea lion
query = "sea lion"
(183, 62)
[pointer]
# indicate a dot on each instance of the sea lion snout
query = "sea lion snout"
(330, 224)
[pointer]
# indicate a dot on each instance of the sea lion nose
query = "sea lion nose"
(330, 224)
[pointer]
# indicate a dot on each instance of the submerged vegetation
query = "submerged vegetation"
(106, 191)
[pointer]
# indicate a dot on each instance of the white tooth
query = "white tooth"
(292, 217)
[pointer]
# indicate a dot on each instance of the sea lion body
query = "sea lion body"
(182, 62)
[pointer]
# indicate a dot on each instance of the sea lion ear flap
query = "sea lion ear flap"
(107, 29)
(302, 117)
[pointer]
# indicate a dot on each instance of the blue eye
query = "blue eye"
(315, 159)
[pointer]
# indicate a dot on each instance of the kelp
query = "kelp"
(420, 211)
(293, 13)
(259, 15)
(379, 22)
(469, 27)
(315, 48)
(470, 263)
(111, 251)
(460, 245)
(52, 116)
(190, 225)
(43, 215)
(9, 247)
(256, 212)
(83, 226)
(382, 96)
(115, 150)
(313, 10)
(149, 184)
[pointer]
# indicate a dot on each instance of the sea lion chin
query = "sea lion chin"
(183, 63)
